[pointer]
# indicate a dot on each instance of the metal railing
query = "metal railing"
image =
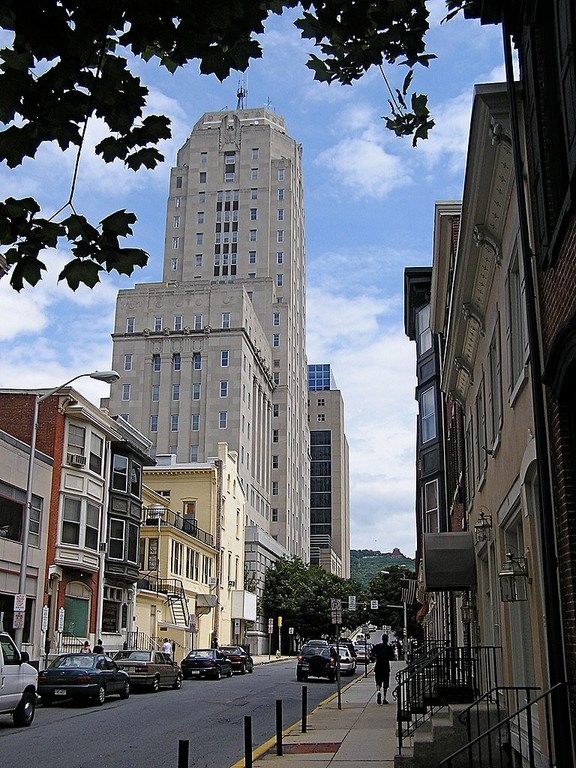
(70, 643)
(172, 588)
(138, 639)
(163, 516)
(439, 676)
(522, 738)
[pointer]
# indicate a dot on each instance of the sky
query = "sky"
(369, 203)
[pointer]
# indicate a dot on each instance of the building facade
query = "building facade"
(329, 474)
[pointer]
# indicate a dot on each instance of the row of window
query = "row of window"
(175, 421)
(227, 237)
(230, 172)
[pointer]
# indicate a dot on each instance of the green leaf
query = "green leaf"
(80, 271)
(119, 223)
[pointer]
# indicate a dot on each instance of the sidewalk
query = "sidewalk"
(360, 734)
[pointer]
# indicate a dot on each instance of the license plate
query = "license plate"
(60, 692)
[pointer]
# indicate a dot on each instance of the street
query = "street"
(144, 730)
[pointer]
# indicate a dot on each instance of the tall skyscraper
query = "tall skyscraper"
(329, 474)
(216, 352)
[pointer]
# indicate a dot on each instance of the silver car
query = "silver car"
(347, 661)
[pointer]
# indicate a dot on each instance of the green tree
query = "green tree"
(68, 63)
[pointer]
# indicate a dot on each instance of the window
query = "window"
(197, 361)
(280, 214)
(275, 462)
(175, 391)
(127, 362)
(275, 409)
(174, 422)
(199, 238)
(195, 422)
(96, 453)
(156, 362)
(175, 243)
(224, 358)
(223, 419)
(200, 217)
(281, 174)
(275, 435)
(276, 318)
(116, 540)
(321, 402)
(198, 325)
(178, 182)
(173, 264)
(280, 236)
(481, 455)
(153, 423)
(225, 319)
(201, 197)
(125, 392)
(428, 415)
(203, 158)
(178, 323)
(229, 176)
(254, 174)
(275, 339)
(279, 280)
(176, 222)
(198, 260)
(120, 473)
(274, 487)
(516, 333)
(430, 492)
(223, 389)
(202, 178)
(152, 554)
(276, 378)
(195, 391)
(80, 526)
(253, 194)
(424, 340)
(252, 235)
(495, 386)
(176, 361)
(92, 526)
(157, 324)
(155, 393)
(193, 453)
(274, 514)
(130, 324)
(252, 257)
(279, 257)
(255, 153)
(229, 158)
(321, 417)
(177, 202)
(253, 214)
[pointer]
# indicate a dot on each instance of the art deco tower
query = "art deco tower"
(216, 352)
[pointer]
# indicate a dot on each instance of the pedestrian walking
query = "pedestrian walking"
(167, 647)
(86, 647)
(98, 648)
(382, 654)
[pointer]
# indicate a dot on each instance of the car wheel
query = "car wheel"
(47, 701)
(177, 684)
(24, 712)
(230, 672)
(100, 697)
(155, 687)
(299, 675)
(125, 692)
(218, 674)
(243, 669)
(251, 668)
(186, 677)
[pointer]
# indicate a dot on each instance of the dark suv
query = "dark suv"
(316, 661)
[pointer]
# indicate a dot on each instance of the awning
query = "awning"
(449, 561)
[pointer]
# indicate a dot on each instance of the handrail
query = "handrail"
(475, 755)
(164, 516)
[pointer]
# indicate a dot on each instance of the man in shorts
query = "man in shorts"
(382, 654)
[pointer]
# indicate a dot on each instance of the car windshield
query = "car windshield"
(231, 649)
(207, 654)
(133, 655)
(77, 661)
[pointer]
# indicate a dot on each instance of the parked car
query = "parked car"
(239, 658)
(321, 643)
(315, 661)
(152, 669)
(206, 662)
(363, 652)
(19, 682)
(91, 676)
(347, 660)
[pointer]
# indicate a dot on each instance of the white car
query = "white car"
(19, 683)
(347, 661)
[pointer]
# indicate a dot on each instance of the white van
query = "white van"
(18, 683)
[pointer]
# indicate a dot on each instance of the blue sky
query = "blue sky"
(369, 199)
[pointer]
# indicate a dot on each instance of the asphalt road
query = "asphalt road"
(144, 731)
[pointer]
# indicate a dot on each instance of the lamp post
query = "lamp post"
(107, 377)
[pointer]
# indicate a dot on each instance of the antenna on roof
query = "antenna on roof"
(241, 93)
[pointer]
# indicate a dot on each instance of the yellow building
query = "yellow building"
(192, 555)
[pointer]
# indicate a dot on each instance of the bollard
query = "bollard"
(279, 727)
(304, 707)
(247, 741)
(183, 752)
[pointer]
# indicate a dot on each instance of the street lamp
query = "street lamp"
(108, 377)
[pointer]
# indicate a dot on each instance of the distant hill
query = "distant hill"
(365, 563)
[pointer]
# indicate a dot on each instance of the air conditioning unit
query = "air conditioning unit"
(76, 459)
(231, 584)
(212, 581)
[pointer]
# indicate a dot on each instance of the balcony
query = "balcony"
(161, 517)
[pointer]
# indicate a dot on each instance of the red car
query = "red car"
(239, 658)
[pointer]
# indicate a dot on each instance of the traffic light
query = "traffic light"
(405, 631)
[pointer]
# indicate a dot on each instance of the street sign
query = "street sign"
(336, 617)
(279, 621)
(365, 628)
(19, 603)
(270, 626)
(18, 620)
(335, 604)
(374, 605)
(236, 626)
(61, 614)
(351, 602)
(290, 630)
(44, 618)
